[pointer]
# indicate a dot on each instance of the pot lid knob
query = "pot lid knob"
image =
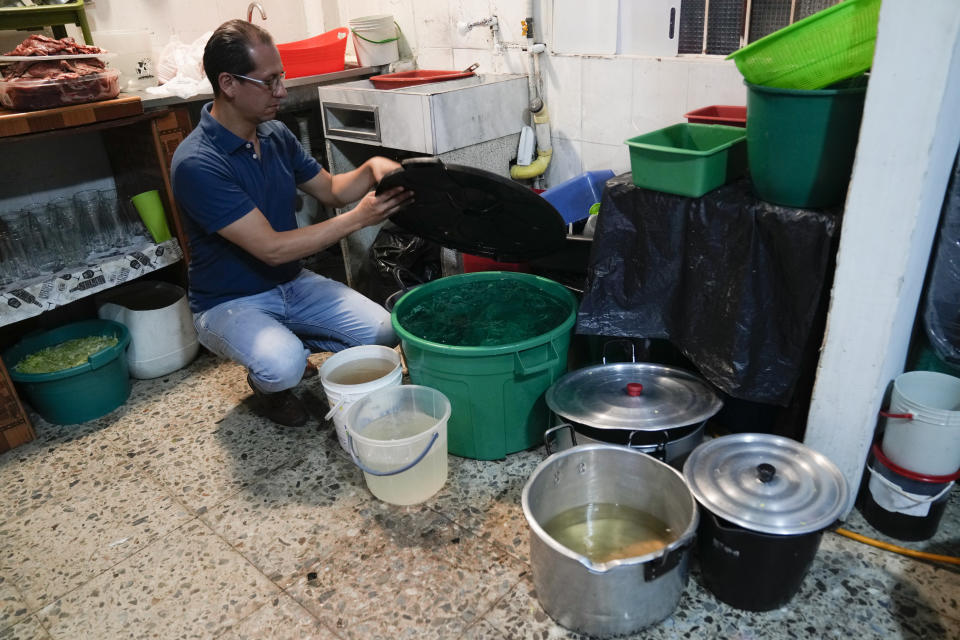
(634, 389)
(765, 472)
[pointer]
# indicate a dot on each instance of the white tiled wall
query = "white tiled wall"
(595, 102)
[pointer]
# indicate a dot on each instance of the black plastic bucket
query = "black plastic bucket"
(903, 504)
(751, 570)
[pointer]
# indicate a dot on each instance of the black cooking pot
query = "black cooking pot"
(399, 273)
(659, 410)
(765, 503)
(752, 570)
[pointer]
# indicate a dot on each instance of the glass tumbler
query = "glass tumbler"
(45, 248)
(13, 267)
(111, 215)
(88, 209)
(74, 245)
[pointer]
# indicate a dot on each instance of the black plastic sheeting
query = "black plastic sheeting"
(737, 284)
(941, 308)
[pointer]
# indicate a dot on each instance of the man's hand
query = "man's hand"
(374, 209)
(380, 166)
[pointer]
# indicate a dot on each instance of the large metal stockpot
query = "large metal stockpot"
(656, 409)
(767, 501)
(617, 596)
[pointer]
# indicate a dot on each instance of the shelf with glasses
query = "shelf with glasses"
(28, 298)
(140, 149)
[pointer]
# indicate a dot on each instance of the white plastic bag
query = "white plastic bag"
(180, 69)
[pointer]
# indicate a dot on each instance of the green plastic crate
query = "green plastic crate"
(688, 159)
(815, 52)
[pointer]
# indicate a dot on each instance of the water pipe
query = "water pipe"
(541, 116)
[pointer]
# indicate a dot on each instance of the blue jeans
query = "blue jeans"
(272, 333)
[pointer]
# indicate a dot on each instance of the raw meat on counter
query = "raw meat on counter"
(28, 85)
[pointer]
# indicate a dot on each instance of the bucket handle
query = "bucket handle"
(912, 497)
(552, 359)
(333, 409)
(394, 39)
(897, 416)
(356, 459)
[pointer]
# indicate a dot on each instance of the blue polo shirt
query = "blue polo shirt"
(217, 179)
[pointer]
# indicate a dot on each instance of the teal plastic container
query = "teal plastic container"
(688, 159)
(496, 392)
(78, 394)
(801, 143)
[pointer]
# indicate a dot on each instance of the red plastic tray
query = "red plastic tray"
(412, 78)
(719, 114)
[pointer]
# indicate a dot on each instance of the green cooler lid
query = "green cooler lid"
(476, 211)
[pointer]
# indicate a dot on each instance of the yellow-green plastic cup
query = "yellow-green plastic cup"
(150, 208)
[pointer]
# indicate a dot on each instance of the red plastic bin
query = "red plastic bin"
(320, 54)
(413, 78)
(731, 115)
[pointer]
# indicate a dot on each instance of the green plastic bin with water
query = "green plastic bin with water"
(688, 159)
(496, 392)
(801, 143)
(81, 393)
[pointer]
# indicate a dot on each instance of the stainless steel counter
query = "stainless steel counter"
(294, 87)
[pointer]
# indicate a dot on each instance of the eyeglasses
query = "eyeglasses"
(273, 84)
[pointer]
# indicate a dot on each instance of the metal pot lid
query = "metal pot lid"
(766, 483)
(476, 211)
(636, 396)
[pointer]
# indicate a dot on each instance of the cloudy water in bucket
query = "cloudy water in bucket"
(485, 313)
(417, 483)
(604, 531)
(361, 371)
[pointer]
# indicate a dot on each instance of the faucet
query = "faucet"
(492, 22)
(251, 7)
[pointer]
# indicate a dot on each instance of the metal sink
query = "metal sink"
(429, 118)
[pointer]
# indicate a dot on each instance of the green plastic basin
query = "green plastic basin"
(78, 394)
(688, 159)
(496, 392)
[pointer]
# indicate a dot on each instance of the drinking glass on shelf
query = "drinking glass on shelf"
(91, 219)
(45, 245)
(110, 208)
(20, 243)
(13, 266)
(127, 230)
(71, 238)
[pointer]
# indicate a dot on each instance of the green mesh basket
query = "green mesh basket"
(830, 45)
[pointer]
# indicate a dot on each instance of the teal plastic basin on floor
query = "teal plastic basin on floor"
(78, 394)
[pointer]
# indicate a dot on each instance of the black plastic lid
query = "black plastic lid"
(476, 211)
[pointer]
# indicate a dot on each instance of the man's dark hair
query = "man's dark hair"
(228, 50)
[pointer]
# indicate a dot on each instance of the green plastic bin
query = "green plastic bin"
(496, 392)
(801, 143)
(688, 159)
(78, 394)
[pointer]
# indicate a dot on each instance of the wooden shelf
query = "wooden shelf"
(72, 119)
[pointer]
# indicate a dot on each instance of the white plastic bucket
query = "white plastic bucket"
(922, 429)
(375, 40)
(398, 437)
(342, 395)
(162, 336)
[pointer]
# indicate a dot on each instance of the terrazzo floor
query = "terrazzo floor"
(184, 515)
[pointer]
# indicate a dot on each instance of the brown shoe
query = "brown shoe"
(282, 407)
(310, 371)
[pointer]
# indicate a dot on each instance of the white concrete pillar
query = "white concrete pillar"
(908, 140)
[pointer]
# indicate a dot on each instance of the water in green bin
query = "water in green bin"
(484, 314)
